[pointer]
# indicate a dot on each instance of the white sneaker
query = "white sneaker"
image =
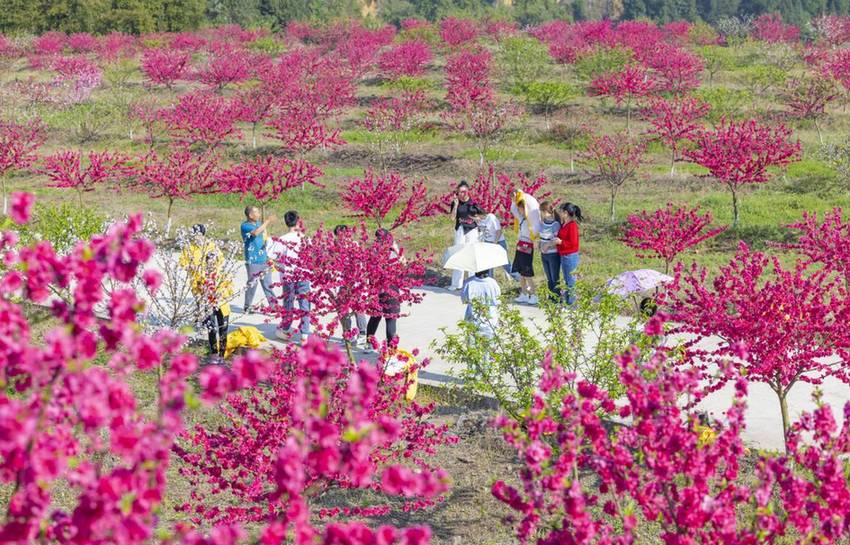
(283, 334)
(532, 300)
(523, 298)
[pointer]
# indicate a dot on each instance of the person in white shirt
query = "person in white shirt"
(466, 232)
(490, 230)
(284, 253)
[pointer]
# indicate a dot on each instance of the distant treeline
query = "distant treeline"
(139, 16)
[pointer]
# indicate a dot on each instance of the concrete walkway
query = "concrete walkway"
(441, 308)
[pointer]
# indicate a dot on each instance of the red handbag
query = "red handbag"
(525, 247)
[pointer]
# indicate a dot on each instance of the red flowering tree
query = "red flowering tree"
(374, 197)
(66, 169)
(675, 70)
(270, 425)
(738, 154)
(468, 79)
(675, 120)
(825, 243)
(266, 178)
(808, 97)
(202, 118)
(178, 176)
(255, 106)
(769, 27)
(226, 65)
(779, 326)
(631, 83)
(406, 59)
(660, 470)
(667, 232)
(456, 32)
(309, 91)
(390, 117)
(615, 160)
(80, 429)
(147, 112)
(164, 67)
(19, 144)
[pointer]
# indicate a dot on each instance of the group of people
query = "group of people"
(552, 231)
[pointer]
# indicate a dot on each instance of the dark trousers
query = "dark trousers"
(217, 324)
(552, 268)
(389, 308)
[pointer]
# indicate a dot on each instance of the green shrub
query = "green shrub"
(522, 61)
(602, 60)
(63, 225)
(724, 102)
(583, 339)
(268, 45)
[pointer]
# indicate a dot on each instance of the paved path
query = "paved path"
(443, 309)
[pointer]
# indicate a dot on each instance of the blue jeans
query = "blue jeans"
(569, 263)
(259, 272)
(292, 293)
(552, 268)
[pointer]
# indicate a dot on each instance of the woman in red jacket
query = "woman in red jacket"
(568, 246)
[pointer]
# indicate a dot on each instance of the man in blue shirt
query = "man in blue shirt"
(256, 258)
(484, 289)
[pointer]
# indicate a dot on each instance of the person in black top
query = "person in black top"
(466, 229)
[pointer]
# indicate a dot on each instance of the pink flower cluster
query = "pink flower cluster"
(605, 471)
(667, 232)
(406, 59)
(373, 197)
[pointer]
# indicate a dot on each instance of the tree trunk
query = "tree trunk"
(254, 136)
(5, 196)
(673, 163)
(168, 217)
(783, 407)
(817, 128)
(613, 196)
(629, 114)
(80, 195)
(734, 209)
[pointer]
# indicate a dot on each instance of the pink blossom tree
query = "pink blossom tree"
(374, 197)
(147, 112)
(824, 243)
(164, 67)
(615, 160)
(769, 27)
(65, 169)
(779, 326)
(225, 65)
(266, 178)
(667, 232)
(739, 154)
(406, 59)
(660, 469)
(202, 118)
(81, 429)
(19, 145)
(456, 32)
(255, 107)
(675, 120)
(390, 117)
(179, 176)
(808, 97)
(631, 83)
(468, 79)
(324, 459)
(674, 69)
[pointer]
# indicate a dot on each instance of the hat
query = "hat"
(199, 229)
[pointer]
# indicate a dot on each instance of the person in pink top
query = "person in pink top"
(568, 246)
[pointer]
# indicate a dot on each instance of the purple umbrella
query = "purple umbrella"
(637, 281)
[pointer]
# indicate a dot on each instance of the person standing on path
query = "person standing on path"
(526, 213)
(256, 259)
(466, 230)
(549, 227)
(490, 230)
(390, 307)
(284, 252)
(481, 294)
(359, 319)
(568, 246)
